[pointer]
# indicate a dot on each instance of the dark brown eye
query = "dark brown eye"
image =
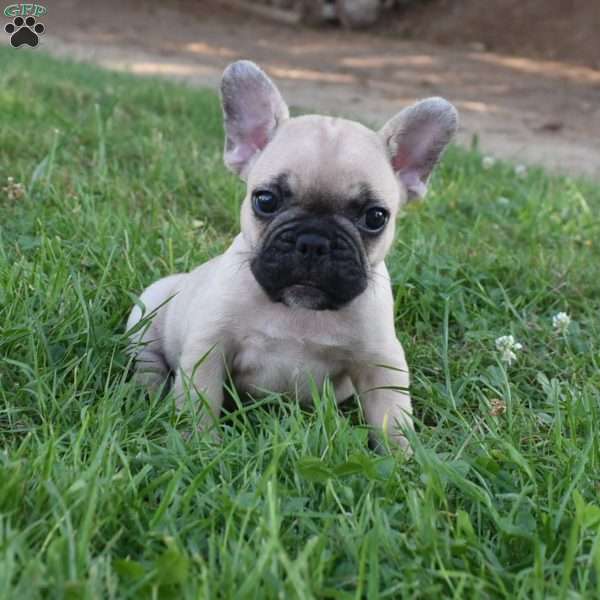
(374, 219)
(265, 203)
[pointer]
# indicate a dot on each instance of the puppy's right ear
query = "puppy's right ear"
(253, 109)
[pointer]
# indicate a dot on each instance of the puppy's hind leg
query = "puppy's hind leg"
(152, 369)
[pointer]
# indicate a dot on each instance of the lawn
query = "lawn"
(100, 496)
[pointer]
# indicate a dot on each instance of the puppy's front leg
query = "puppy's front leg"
(383, 392)
(201, 377)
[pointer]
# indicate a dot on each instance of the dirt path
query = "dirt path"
(524, 110)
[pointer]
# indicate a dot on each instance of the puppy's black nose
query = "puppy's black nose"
(312, 245)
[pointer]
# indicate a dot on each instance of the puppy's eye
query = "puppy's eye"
(374, 219)
(265, 203)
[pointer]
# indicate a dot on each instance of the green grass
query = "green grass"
(100, 497)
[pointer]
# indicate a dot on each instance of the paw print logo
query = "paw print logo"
(24, 31)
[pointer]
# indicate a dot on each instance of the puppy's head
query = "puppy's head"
(323, 193)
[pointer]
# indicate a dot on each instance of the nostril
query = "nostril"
(312, 244)
(324, 248)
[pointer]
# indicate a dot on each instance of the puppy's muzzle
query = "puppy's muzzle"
(312, 263)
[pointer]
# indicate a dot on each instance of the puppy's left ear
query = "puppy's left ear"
(253, 109)
(415, 139)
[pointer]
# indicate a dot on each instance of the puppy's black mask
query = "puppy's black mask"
(314, 248)
(314, 261)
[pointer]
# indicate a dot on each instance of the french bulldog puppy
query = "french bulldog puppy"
(303, 293)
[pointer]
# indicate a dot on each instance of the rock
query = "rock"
(311, 11)
(357, 14)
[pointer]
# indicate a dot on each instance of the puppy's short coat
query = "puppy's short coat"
(303, 292)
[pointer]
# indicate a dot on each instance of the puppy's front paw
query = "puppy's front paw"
(211, 432)
(383, 444)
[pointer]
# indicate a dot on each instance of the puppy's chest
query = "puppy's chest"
(285, 364)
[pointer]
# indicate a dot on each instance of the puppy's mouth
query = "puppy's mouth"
(306, 295)
(315, 264)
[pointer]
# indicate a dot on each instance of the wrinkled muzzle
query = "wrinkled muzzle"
(312, 262)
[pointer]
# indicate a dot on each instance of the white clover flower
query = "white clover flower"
(13, 190)
(497, 407)
(507, 347)
(488, 162)
(520, 171)
(561, 322)
(503, 201)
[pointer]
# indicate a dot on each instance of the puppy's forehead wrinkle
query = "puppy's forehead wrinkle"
(327, 153)
(351, 201)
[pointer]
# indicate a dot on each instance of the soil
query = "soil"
(567, 30)
(520, 107)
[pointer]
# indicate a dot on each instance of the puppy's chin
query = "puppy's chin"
(307, 296)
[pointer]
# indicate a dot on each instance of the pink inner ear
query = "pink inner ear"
(412, 154)
(254, 137)
(252, 141)
(403, 163)
(259, 136)
(400, 160)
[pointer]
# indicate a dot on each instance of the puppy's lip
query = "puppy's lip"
(305, 285)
